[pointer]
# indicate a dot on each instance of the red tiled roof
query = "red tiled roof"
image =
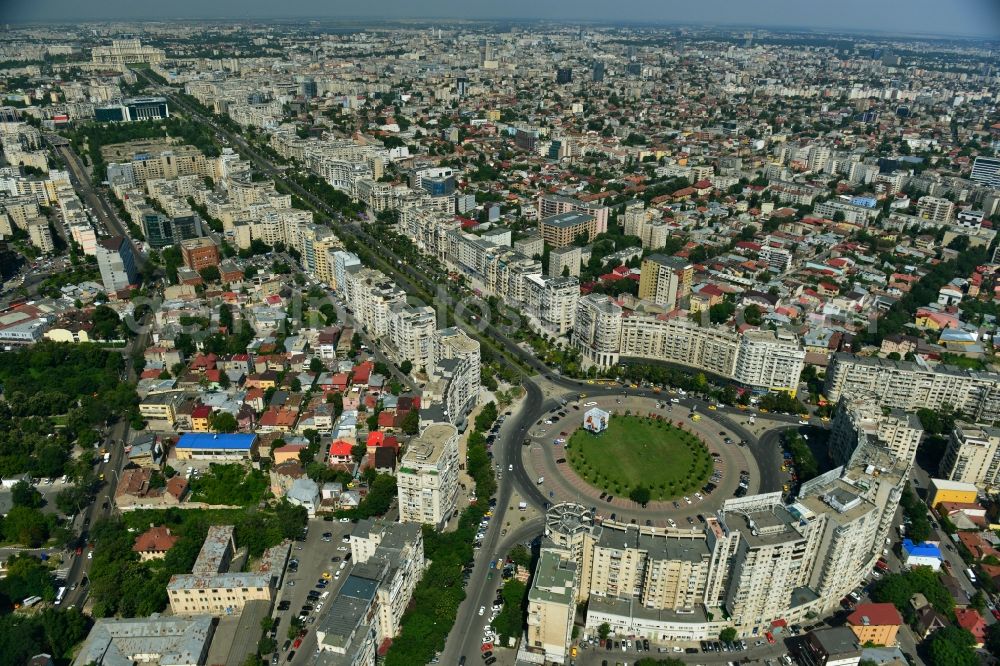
(155, 540)
(879, 615)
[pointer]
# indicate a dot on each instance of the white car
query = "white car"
(803, 422)
(671, 522)
(590, 404)
(90, 554)
(482, 610)
(510, 468)
(687, 499)
(675, 400)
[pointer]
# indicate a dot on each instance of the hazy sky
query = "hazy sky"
(951, 17)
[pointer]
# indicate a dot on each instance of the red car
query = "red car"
(770, 638)
(487, 647)
(297, 643)
(996, 613)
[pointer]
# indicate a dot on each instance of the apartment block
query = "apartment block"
(552, 607)
(665, 280)
(551, 301)
(914, 385)
(411, 334)
(565, 261)
(554, 204)
(40, 235)
(427, 479)
(564, 228)
(861, 419)
(211, 587)
(973, 455)
(936, 209)
(770, 361)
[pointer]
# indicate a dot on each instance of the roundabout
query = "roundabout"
(644, 458)
(650, 441)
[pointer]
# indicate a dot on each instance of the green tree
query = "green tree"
(25, 494)
(952, 646)
(411, 422)
(210, 274)
(727, 635)
(640, 495)
(604, 631)
(26, 526)
(224, 422)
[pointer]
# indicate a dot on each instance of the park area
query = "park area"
(642, 458)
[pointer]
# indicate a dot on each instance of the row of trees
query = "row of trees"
(438, 595)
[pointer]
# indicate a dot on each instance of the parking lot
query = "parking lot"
(319, 564)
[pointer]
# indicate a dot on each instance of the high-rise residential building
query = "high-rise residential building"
(40, 235)
(565, 261)
(771, 555)
(411, 334)
(770, 361)
(552, 607)
(665, 280)
(859, 419)
(398, 550)
(550, 205)
(116, 263)
(936, 209)
(427, 479)
(756, 562)
(597, 330)
(986, 170)
(551, 301)
(565, 228)
(454, 376)
(912, 385)
(342, 260)
(973, 455)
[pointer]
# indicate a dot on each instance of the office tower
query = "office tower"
(598, 72)
(564, 75)
(116, 263)
(986, 170)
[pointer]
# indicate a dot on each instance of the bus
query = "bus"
(59, 595)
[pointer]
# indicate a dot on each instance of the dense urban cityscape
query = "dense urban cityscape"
(515, 342)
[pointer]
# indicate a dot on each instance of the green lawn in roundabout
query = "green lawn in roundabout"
(640, 453)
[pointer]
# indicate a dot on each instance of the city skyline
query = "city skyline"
(964, 18)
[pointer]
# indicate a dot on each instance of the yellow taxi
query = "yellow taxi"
(326, 575)
(712, 407)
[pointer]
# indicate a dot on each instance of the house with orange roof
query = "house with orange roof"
(154, 543)
(875, 623)
(287, 452)
(970, 620)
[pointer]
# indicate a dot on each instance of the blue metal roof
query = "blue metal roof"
(921, 549)
(211, 440)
